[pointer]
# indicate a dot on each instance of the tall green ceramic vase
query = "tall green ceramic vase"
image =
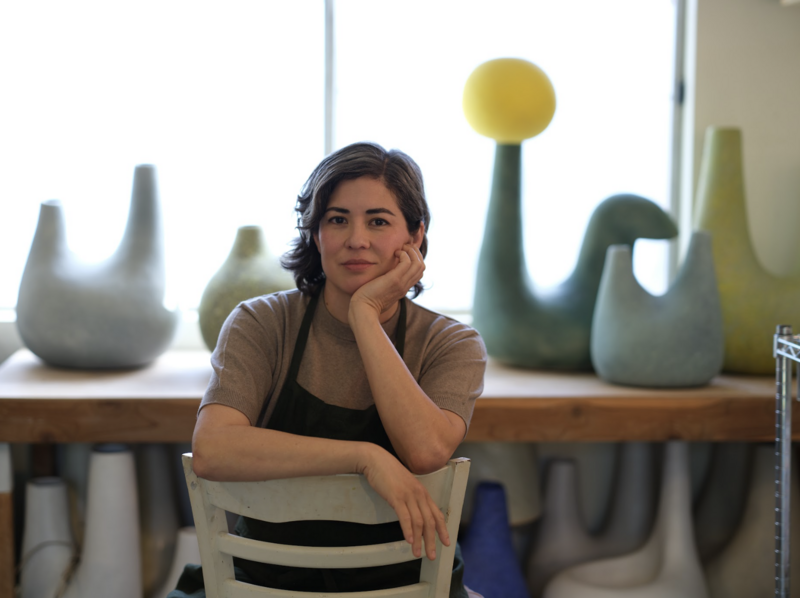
(526, 328)
(249, 271)
(753, 300)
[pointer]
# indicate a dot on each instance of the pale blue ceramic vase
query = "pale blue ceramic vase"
(675, 340)
(95, 316)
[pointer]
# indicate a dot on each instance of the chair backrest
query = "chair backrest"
(346, 497)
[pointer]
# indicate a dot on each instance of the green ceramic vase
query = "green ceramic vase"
(249, 271)
(753, 301)
(526, 328)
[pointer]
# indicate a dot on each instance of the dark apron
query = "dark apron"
(299, 412)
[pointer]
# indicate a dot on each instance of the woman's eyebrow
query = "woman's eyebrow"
(370, 211)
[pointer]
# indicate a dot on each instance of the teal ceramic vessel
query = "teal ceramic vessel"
(527, 329)
(675, 340)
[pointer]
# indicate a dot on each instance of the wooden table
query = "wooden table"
(40, 404)
(159, 404)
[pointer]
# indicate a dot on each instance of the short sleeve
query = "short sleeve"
(245, 360)
(453, 369)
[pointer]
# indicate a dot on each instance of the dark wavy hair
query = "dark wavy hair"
(396, 170)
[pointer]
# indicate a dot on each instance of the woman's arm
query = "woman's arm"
(226, 447)
(423, 435)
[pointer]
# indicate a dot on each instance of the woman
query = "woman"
(344, 374)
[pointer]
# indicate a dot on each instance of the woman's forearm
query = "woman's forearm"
(423, 435)
(226, 448)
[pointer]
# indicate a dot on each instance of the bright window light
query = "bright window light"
(400, 72)
(227, 100)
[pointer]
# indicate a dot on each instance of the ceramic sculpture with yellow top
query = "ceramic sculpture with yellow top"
(753, 300)
(510, 100)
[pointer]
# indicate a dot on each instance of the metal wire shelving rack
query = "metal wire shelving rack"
(786, 349)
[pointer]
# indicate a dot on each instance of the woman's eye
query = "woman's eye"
(336, 220)
(380, 222)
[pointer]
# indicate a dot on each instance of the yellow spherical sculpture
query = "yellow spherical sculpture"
(509, 100)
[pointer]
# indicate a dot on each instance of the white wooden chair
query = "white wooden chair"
(346, 497)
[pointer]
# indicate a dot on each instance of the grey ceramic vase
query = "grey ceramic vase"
(746, 565)
(106, 315)
(674, 340)
(249, 271)
(596, 464)
(158, 513)
(515, 466)
(562, 539)
(551, 330)
(721, 503)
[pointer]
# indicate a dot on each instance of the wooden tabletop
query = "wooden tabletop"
(159, 403)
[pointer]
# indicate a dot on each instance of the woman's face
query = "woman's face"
(359, 234)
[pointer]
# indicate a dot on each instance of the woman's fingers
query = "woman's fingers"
(411, 265)
(404, 518)
(419, 517)
(419, 528)
(429, 533)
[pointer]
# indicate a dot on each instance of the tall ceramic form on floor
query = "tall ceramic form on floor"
(6, 518)
(597, 465)
(72, 464)
(110, 562)
(719, 508)
(563, 540)
(158, 513)
(106, 315)
(515, 466)
(187, 552)
(248, 272)
(674, 340)
(511, 100)
(753, 300)
(666, 566)
(47, 544)
(745, 567)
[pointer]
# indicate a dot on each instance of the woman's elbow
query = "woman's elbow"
(428, 461)
(203, 462)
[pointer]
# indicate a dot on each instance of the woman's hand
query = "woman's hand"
(384, 291)
(418, 515)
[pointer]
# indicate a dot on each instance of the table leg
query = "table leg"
(6, 523)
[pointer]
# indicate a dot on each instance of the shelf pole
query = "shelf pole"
(783, 461)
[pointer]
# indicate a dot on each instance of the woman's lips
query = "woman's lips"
(357, 265)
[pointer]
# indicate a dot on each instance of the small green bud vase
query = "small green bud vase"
(249, 271)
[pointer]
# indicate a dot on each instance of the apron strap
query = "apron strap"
(302, 337)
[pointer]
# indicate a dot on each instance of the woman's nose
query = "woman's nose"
(358, 237)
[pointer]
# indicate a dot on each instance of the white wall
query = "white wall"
(743, 70)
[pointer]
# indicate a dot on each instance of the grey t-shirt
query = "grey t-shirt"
(254, 350)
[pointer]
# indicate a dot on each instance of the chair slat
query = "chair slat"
(345, 497)
(340, 557)
(237, 589)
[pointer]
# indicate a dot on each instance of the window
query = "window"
(228, 101)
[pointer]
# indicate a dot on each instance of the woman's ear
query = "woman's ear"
(315, 236)
(417, 237)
